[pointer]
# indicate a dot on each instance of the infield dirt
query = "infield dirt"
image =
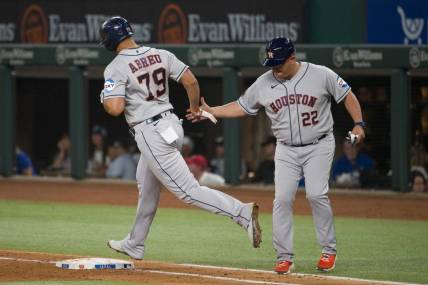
(31, 266)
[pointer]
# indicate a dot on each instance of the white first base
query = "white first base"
(95, 263)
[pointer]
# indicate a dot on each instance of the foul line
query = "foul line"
(249, 281)
(299, 274)
(26, 260)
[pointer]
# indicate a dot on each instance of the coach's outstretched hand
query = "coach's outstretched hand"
(204, 106)
(204, 113)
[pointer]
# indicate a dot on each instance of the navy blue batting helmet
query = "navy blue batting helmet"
(113, 31)
(278, 51)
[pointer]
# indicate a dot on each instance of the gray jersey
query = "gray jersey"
(140, 75)
(299, 108)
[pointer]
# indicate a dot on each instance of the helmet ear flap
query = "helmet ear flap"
(104, 39)
(103, 36)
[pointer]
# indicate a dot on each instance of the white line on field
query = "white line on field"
(234, 269)
(299, 274)
(249, 281)
(25, 260)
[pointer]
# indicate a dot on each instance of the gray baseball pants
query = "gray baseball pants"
(161, 163)
(314, 163)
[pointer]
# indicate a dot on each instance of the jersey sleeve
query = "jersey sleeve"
(114, 83)
(336, 86)
(249, 102)
(176, 66)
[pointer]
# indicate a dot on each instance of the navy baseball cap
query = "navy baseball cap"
(278, 50)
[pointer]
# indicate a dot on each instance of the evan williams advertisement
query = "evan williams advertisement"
(153, 21)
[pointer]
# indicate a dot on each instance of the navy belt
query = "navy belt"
(306, 144)
(150, 120)
(157, 117)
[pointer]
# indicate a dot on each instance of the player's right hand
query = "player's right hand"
(194, 116)
(203, 113)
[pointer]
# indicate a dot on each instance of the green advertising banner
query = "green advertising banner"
(359, 56)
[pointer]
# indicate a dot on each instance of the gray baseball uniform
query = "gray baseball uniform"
(141, 75)
(299, 110)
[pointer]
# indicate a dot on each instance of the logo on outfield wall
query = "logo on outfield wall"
(79, 56)
(210, 56)
(175, 26)
(172, 27)
(412, 27)
(338, 56)
(34, 25)
(417, 56)
(16, 56)
(38, 27)
(358, 58)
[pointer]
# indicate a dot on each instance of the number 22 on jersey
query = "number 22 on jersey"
(310, 118)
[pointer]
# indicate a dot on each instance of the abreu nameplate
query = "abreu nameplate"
(95, 263)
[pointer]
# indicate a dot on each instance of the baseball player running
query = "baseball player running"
(296, 96)
(136, 83)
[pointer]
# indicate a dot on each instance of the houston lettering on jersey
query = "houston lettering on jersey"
(143, 62)
(292, 99)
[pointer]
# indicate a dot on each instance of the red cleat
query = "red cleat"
(284, 267)
(326, 262)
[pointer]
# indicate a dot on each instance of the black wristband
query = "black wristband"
(362, 124)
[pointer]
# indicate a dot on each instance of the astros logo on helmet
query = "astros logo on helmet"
(278, 50)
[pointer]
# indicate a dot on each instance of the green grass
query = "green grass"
(368, 248)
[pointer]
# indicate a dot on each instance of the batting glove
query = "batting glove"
(352, 138)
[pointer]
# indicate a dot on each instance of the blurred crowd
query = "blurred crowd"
(353, 167)
(117, 159)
